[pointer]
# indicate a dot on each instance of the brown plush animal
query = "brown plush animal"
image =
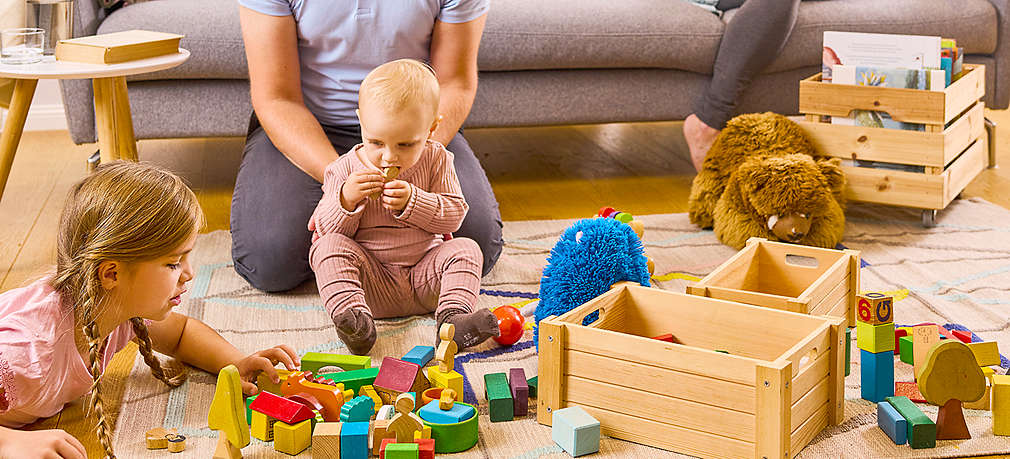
(763, 178)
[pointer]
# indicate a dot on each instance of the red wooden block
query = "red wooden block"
(667, 337)
(427, 448)
(964, 336)
(944, 333)
(280, 408)
(908, 389)
(898, 333)
(382, 447)
(520, 392)
(398, 376)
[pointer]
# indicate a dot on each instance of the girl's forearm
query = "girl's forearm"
(204, 348)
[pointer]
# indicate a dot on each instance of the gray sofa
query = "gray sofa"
(541, 62)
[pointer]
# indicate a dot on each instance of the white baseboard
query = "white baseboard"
(46, 118)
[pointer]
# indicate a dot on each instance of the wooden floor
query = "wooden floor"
(536, 173)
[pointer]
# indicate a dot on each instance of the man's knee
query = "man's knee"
(486, 232)
(271, 265)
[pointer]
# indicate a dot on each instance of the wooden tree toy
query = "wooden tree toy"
(227, 415)
(446, 351)
(403, 425)
(949, 377)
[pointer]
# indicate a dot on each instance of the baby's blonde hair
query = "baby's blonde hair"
(401, 83)
(127, 212)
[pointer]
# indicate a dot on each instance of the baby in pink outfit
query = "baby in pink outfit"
(378, 248)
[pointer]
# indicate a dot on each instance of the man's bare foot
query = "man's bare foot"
(699, 138)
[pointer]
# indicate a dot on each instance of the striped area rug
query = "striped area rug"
(956, 273)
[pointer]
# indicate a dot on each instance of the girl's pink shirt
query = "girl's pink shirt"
(40, 368)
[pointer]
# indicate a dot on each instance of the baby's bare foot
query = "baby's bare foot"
(700, 138)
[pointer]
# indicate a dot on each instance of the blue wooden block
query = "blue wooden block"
(354, 440)
(575, 431)
(357, 409)
(420, 355)
(435, 415)
(877, 374)
(892, 423)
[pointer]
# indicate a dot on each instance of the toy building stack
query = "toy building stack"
(875, 339)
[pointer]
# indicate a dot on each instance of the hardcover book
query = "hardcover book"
(113, 48)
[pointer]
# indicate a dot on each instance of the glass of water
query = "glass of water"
(56, 17)
(21, 46)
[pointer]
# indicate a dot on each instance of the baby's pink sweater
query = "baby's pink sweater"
(40, 368)
(436, 207)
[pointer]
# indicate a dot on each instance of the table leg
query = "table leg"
(24, 90)
(113, 120)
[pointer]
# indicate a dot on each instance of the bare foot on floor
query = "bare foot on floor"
(699, 138)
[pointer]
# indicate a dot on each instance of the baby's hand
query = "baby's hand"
(358, 186)
(395, 195)
(40, 443)
(264, 361)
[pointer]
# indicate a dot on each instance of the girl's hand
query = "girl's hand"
(358, 186)
(264, 361)
(395, 195)
(48, 444)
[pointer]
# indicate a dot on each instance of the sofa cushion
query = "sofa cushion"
(213, 36)
(972, 22)
(567, 34)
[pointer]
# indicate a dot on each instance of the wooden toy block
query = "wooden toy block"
(907, 355)
(314, 361)
(262, 426)
(420, 355)
(436, 415)
(898, 334)
(372, 394)
(921, 430)
(380, 428)
(944, 333)
(1001, 405)
(892, 423)
(227, 411)
(964, 336)
(874, 308)
(265, 384)
(281, 409)
(923, 339)
(877, 375)
(848, 350)
(176, 443)
(668, 337)
(445, 353)
(909, 389)
(448, 380)
(499, 397)
(385, 412)
(532, 384)
(292, 439)
(248, 412)
(575, 431)
(384, 443)
(983, 403)
(404, 423)
(326, 440)
(396, 377)
(425, 431)
(156, 438)
(354, 379)
(425, 448)
(446, 399)
(357, 409)
(875, 338)
(986, 353)
(226, 450)
(401, 451)
(354, 440)
(520, 392)
(330, 395)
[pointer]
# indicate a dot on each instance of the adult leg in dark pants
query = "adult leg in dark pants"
(752, 40)
(273, 201)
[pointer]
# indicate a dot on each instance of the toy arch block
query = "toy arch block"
(690, 394)
(789, 277)
(396, 377)
(875, 308)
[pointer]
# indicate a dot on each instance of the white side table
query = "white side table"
(112, 104)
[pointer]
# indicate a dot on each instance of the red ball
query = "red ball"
(510, 325)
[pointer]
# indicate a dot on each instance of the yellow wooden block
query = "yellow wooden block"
(292, 439)
(451, 380)
(326, 440)
(982, 403)
(264, 383)
(262, 427)
(875, 338)
(986, 353)
(156, 438)
(369, 390)
(1001, 405)
(988, 373)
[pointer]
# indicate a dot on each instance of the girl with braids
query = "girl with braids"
(122, 265)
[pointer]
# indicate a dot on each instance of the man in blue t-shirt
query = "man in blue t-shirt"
(307, 59)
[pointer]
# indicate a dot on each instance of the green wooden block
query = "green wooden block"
(532, 383)
(313, 361)
(875, 338)
(354, 379)
(402, 451)
(921, 429)
(248, 412)
(848, 349)
(905, 346)
(499, 397)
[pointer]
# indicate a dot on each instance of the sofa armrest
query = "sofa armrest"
(1001, 93)
(78, 99)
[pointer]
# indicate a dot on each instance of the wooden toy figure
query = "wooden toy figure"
(447, 399)
(403, 425)
(446, 351)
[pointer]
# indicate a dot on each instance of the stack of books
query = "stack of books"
(114, 48)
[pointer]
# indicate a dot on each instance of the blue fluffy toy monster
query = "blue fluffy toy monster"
(592, 255)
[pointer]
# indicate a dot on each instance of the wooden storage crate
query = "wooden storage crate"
(781, 383)
(951, 155)
(797, 278)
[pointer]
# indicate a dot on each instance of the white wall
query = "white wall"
(46, 112)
